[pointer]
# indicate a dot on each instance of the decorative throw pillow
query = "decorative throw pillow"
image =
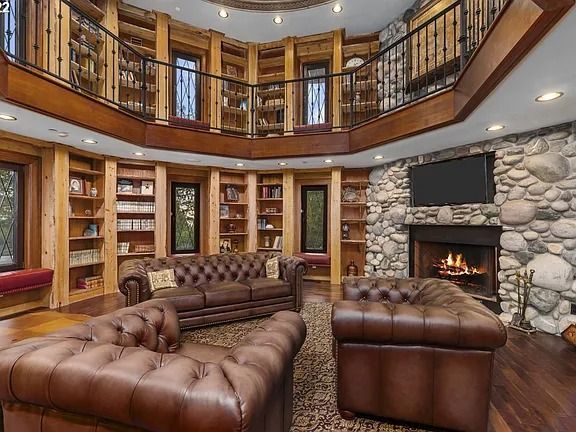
(273, 268)
(162, 279)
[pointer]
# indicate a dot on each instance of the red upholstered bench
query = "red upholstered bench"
(25, 280)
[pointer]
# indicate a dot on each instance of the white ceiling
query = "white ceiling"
(550, 66)
(357, 17)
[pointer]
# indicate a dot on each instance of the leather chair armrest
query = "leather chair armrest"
(133, 282)
(292, 270)
(406, 324)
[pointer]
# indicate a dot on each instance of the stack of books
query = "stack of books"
(90, 282)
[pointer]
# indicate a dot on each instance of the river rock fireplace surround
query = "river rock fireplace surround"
(531, 225)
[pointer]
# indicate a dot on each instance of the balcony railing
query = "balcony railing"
(60, 40)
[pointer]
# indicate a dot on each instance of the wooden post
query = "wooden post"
(60, 292)
(214, 211)
(111, 91)
(215, 68)
(288, 212)
(289, 73)
(48, 215)
(162, 54)
(337, 82)
(161, 230)
(252, 79)
(252, 212)
(110, 228)
(335, 228)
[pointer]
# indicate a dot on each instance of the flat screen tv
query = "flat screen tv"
(457, 181)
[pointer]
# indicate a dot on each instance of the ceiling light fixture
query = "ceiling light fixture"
(239, 164)
(337, 8)
(177, 9)
(328, 161)
(89, 141)
(223, 13)
(278, 20)
(63, 134)
(378, 157)
(494, 128)
(53, 130)
(282, 163)
(7, 117)
(549, 96)
(138, 154)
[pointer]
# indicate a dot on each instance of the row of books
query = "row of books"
(261, 223)
(278, 242)
(90, 282)
(271, 192)
(136, 206)
(136, 225)
(85, 256)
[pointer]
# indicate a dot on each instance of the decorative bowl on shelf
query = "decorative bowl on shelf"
(350, 194)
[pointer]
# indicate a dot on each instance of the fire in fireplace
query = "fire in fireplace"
(456, 269)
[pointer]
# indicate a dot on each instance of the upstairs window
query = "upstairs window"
(11, 217)
(315, 93)
(186, 95)
(12, 27)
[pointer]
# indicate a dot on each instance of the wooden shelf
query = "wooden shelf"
(86, 171)
(87, 265)
(77, 294)
(270, 249)
(355, 204)
(133, 195)
(233, 219)
(270, 229)
(269, 199)
(271, 127)
(86, 238)
(234, 203)
(135, 177)
(137, 254)
(269, 184)
(85, 217)
(270, 214)
(89, 8)
(142, 49)
(354, 241)
(135, 213)
(134, 30)
(85, 197)
(134, 231)
(357, 220)
(225, 234)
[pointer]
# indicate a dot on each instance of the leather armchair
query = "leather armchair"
(415, 350)
(128, 371)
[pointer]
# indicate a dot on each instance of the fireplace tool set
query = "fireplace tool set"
(523, 289)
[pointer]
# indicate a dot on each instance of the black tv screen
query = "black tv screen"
(457, 181)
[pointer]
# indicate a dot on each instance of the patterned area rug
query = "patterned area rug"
(314, 373)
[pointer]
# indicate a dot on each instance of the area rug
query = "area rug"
(314, 373)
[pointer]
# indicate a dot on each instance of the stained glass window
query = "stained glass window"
(186, 87)
(185, 217)
(314, 218)
(315, 94)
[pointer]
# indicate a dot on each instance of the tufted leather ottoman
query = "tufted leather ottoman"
(417, 350)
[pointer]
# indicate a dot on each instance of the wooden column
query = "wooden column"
(252, 79)
(60, 292)
(110, 228)
(162, 54)
(289, 73)
(214, 211)
(215, 68)
(288, 212)
(111, 23)
(161, 230)
(252, 212)
(335, 235)
(337, 82)
(48, 215)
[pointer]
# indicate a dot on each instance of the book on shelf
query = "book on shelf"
(277, 242)
(271, 191)
(136, 224)
(135, 206)
(90, 282)
(262, 222)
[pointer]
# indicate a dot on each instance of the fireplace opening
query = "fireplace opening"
(465, 256)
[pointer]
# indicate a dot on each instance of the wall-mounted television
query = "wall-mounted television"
(466, 180)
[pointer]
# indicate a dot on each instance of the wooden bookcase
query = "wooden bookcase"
(270, 208)
(270, 96)
(234, 96)
(233, 211)
(86, 217)
(135, 210)
(353, 213)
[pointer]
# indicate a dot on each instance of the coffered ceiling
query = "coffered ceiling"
(251, 20)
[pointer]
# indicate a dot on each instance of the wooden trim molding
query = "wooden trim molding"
(520, 26)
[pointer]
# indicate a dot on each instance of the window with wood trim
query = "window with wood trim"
(316, 90)
(314, 228)
(11, 217)
(185, 226)
(186, 88)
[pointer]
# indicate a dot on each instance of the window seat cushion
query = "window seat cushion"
(25, 280)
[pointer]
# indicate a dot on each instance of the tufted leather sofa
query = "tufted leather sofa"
(217, 288)
(417, 350)
(128, 371)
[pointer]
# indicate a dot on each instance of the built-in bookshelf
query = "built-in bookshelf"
(233, 212)
(135, 210)
(353, 214)
(270, 208)
(235, 94)
(270, 95)
(85, 226)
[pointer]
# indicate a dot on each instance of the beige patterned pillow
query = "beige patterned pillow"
(273, 268)
(162, 279)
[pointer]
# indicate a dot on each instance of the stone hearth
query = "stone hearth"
(535, 177)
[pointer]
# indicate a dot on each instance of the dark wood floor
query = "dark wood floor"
(534, 376)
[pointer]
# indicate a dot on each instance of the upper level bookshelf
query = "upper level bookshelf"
(270, 93)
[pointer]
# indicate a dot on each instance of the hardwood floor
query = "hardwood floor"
(534, 385)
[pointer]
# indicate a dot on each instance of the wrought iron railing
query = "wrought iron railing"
(60, 40)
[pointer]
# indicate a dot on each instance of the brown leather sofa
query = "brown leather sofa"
(217, 288)
(128, 371)
(417, 350)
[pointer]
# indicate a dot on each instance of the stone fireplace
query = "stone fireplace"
(532, 222)
(465, 255)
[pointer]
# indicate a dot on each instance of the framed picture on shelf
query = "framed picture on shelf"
(76, 186)
(232, 193)
(147, 187)
(225, 245)
(231, 70)
(224, 211)
(125, 186)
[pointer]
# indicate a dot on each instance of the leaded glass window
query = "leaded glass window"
(314, 219)
(315, 94)
(186, 87)
(11, 217)
(185, 218)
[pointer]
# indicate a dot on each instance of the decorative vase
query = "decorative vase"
(345, 231)
(352, 269)
(231, 228)
(266, 241)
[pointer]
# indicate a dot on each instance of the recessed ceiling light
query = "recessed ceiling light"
(239, 164)
(549, 96)
(89, 141)
(328, 161)
(193, 160)
(7, 117)
(138, 154)
(278, 20)
(378, 157)
(223, 13)
(282, 163)
(53, 130)
(494, 128)
(337, 8)
(63, 134)
(177, 9)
